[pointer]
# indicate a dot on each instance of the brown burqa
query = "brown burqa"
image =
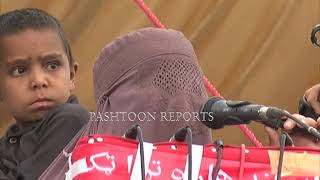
(149, 77)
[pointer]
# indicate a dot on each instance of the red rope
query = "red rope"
(213, 91)
(242, 161)
(156, 22)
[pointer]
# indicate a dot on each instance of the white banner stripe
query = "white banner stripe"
(79, 167)
(136, 171)
(197, 152)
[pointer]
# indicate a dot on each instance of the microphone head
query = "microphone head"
(306, 109)
(313, 37)
(205, 114)
(132, 132)
(180, 135)
(207, 106)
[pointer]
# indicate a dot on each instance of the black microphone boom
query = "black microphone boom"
(217, 112)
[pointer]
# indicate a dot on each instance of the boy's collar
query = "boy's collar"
(16, 130)
(73, 99)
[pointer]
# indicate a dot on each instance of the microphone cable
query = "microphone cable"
(283, 138)
(140, 139)
(135, 133)
(189, 142)
(219, 147)
(185, 135)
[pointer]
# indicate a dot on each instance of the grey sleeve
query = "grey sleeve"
(3, 175)
(3, 168)
(58, 129)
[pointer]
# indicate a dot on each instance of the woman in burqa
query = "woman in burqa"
(150, 71)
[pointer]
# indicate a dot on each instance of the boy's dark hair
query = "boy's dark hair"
(30, 18)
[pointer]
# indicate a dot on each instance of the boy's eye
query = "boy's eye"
(18, 71)
(53, 66)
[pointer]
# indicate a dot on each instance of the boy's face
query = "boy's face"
(35, 73)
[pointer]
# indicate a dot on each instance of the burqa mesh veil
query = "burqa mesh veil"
(149, 71)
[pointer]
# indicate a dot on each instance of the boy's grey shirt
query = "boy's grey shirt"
(25, 153)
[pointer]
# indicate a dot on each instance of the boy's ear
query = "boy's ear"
(1, 96)
(1, 93)
(73, 71)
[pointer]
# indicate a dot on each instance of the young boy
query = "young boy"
(37, 74)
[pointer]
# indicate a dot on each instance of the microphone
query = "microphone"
(132, 132)
(313, 37)
(180, 135)
(306, 109)
(218, 112)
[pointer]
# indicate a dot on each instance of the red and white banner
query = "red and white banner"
(107, 157)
